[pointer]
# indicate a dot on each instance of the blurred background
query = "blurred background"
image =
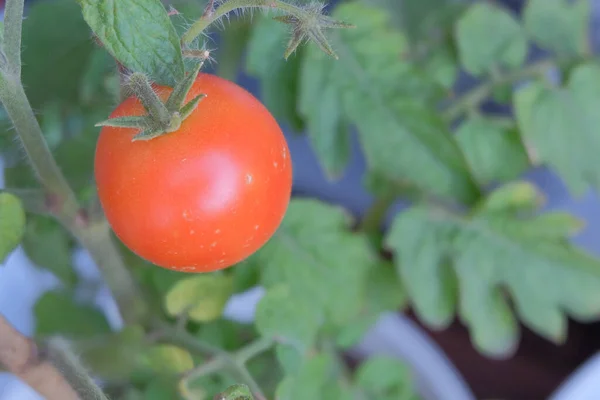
(538, 368)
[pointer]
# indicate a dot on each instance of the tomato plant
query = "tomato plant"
(205, 196)
(139, 143)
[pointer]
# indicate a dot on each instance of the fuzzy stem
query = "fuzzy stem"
(228, 6)
(474, 97)
(13, 20)
(143, 90)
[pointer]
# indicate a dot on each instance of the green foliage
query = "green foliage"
(139, 34)
(12, 224)
(489, 37)
(495, 255)
(561, 125)
(473, 245)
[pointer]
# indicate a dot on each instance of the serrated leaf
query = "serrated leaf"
(58, 313)
(559, 25)
(278, 77)
(44, 237)
(166, 359)
(63, 50)
(561, 126)
(139, 34)
(495, 153)
(390, 101)
(493, 256)
(202, 297)
(314, 251)
(386, 378)
(294, 320)
(488, 36)
(12, 224)
(115, 357)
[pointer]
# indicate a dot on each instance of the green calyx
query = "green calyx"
(161, 118)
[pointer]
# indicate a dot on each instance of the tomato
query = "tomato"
(201, 198)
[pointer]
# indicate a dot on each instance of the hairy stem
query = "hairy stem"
(474, 97)
(33, 364)
(212, 15)
(13, 15)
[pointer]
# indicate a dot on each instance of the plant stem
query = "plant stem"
(13, 15)
(474, 97)
(212, 15)
(253, 349)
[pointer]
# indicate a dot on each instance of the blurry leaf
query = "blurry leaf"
(494, 153)
(494, 255)
(236, 392)
(226, 334)
(164, 279)
(278, 77)
(48, 246)
(56, 50)
(12, 224)
(390, 101)
(559, 25)
(289, 358)
(386, 378)
(58, 313)
(310, 381)
(159, 389)
(561, 126)
(99, 68)
(139, 34)
(166, 359)
(442, 67)
(314, 252)
(202, 297)
(115, 358)
(512, 197)
(292, 319)
(246, 274)
(488, 36)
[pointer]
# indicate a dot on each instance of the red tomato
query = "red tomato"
(201, 198)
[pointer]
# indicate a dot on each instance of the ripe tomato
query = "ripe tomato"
(201, 198)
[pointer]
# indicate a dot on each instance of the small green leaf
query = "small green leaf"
(514, 196)
(236, 392)
(139, 122)
(139, 34)
(293, 319)
(44, 237)
(190, 106)
(386, 378)
(494, 256)
(181, 90)
(489, 36)
(278, 78)
(12, 224)
(495, 153)
(115, 357)
(560, 126)
(166, 359)
(314, 251)
(57, 313)
(202, 297)
(559, 25)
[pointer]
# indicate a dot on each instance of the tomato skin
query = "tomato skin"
(204, 197)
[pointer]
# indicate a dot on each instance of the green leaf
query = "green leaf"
(282, 316)
(202, 297)
(226, 334)
(559, 25)
(278, 78)
(58, 313)
(55, 55)
(139, 34)
(489, 37)
(494, 255)
(494, 152)
(386, 378)
(115, 357)
(513, 196)
(560, 126)
(48, 245)
(166, 359)
(289, 358)
(159, 389)
(389, 100)
(12, 224)
(310, 381)
(314, 251)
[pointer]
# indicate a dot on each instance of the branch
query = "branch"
(22, 357)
